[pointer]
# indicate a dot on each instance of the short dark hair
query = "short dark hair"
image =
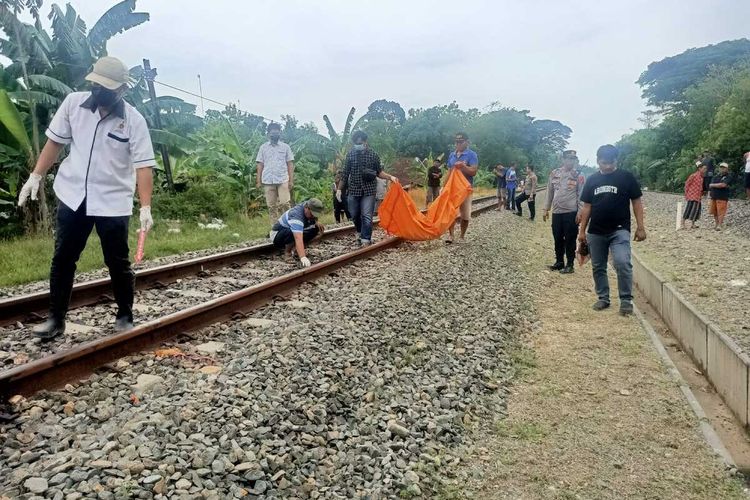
(530, 167)
(462, 135)
(273, 126)
(359, 135)
(607, 154)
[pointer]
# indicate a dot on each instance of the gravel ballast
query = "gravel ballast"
(361, 384)
(710, 268)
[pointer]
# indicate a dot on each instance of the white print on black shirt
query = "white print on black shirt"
(605, 189)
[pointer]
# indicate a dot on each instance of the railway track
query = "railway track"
(56, 369)
(33, 306)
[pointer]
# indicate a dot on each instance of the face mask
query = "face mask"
(104, 97)
(274, 136)
(359, 147)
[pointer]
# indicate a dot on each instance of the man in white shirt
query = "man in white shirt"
(275, 163)
(110, 153)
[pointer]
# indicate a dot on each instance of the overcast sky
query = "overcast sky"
(573, 61)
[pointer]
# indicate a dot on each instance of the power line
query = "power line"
(209, 100)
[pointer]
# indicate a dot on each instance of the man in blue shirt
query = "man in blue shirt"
(511, 182)
(465, 161)
(297, 227)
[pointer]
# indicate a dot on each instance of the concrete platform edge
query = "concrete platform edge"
(708, 431)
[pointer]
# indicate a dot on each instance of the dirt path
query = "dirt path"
(594, 414)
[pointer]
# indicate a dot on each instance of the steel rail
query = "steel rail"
(33, 306)
(57, 369)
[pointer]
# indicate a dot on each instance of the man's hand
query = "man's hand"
(338, 195)
(640, 234)
(545, 215)
(321, 227)
(290, 184)
(305, 262)
(394, 179)
(147, 221)
(257, 182)
(582, 236)
(31, 188)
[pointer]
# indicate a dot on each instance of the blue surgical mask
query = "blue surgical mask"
(359, 147)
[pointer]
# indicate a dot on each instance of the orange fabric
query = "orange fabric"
(400, 216)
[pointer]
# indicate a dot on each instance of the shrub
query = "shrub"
(206, 200)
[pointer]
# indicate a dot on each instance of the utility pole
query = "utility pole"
(150, 75)
(200, 90)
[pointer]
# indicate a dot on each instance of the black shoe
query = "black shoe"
(49, 329)
(626, 308)
(519, 214)
(567, 270)
(556, 266)
(600, 305)
(123, 324)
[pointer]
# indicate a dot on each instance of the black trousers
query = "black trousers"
(532, 205)
(285, 236)
(73, 230)
(340, 207)
(565, 232)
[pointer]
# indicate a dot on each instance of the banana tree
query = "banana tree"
(17, 157)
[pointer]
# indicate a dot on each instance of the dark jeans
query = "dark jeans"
(600, 245)
(565, 232)
(73, 230)
(340, 207)
(361, 209)
(285, 236)
(511, 203)
(532, 205)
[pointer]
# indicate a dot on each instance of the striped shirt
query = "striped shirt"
(294, 219)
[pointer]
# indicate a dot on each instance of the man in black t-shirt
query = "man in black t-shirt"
(433, 182)
(720, 188)
(707, 160)
(606, 198)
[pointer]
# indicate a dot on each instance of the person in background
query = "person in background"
(720, 189)
(110, 154)
(297, 228)
(339, 207)
(708, 161)
(746, 157)
(607, 196)
(465, 161)
(502, 194)
(382, 189)
(434, 173)
(510, 187)
(693, 195)
(361, 170)
(275, 172)
(563, 197)
(529, 193)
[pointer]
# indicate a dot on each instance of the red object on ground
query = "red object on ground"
(141, 245)
(400, 216)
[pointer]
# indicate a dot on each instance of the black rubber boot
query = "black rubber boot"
(49, 329)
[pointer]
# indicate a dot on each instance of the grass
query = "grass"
(24, 260)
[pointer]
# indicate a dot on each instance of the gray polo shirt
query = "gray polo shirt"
(274, 158)
(564, 191)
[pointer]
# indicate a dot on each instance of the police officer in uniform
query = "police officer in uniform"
(564, 199)
(110, 153)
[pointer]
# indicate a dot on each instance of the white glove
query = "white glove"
(31, 188)
(305, 262)
(338, 195)
(146, 220)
